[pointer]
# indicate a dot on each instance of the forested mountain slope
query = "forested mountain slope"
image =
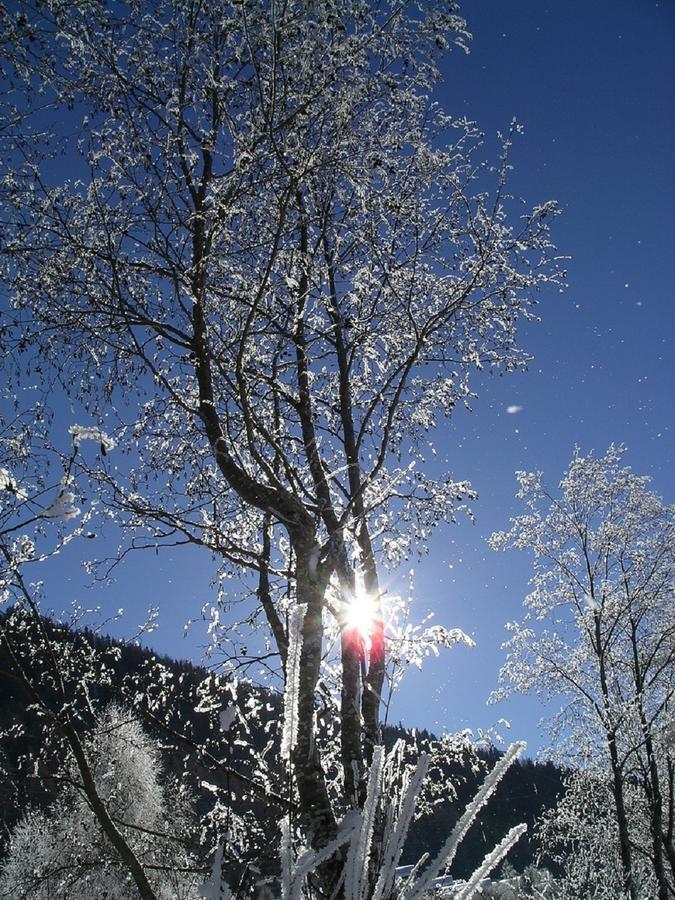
(528, 788)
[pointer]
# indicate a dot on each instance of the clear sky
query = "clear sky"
(593, 84)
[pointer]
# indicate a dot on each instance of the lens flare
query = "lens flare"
(360, 613)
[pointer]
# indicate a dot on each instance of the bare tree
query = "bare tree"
(50, 692)
(270, 268)
(600, 630)
(64, 852)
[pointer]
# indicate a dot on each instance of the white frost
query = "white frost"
(290, 731)
(8, 483)
(90, 433)
(590, 602)
(63, 507)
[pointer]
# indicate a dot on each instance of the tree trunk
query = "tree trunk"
(98, 807)
(621, 820)
(655, 801)
(316, 813)
(374, 680)
(667, 836)
(629, 886)
(351, 649)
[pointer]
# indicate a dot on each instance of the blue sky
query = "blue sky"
(593, 84)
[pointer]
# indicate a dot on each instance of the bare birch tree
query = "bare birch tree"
(248, 242)
(600, 631)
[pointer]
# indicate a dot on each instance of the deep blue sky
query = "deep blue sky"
(593, 84)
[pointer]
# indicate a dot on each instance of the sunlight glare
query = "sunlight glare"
(360, 613)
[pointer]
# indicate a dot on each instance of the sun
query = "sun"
(360, 613)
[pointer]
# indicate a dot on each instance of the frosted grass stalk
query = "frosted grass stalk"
(289, 735)
(293, 880)
(359, 849)
(422, 861)
(449, 849)
(395, 840)
(491, 860)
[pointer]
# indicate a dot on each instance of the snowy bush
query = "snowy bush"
(580, 835)
(63, 853)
